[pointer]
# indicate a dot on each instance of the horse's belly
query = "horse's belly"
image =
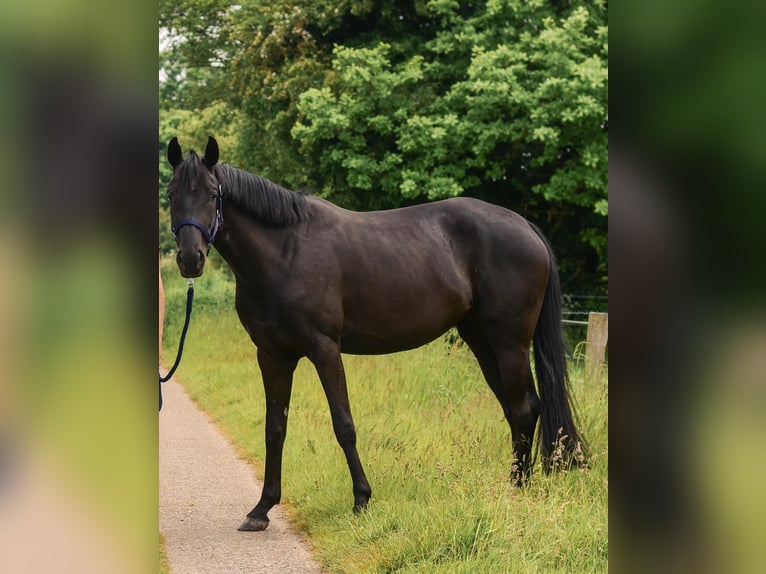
(374, 344)
(385, 329)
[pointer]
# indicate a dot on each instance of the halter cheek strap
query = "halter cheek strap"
(208, 235)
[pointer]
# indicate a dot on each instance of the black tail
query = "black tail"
(560, 442)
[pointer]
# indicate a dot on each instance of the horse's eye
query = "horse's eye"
(170, 197)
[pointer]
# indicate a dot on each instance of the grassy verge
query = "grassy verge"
(164, 567)
(435, 447)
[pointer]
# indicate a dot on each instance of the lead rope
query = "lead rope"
(189, 297)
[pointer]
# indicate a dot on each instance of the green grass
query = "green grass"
(164, 567)
(434, 443)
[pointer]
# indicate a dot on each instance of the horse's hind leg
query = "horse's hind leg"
(524, 406)
(507, 371)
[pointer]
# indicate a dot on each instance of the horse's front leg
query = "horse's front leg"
(277, 382)
(329, 366)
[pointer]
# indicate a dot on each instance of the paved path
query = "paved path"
(205, 492)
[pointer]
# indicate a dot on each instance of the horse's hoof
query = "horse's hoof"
(253, 524)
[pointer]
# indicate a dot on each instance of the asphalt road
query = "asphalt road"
(205, 492)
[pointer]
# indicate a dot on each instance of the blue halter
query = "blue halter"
(208, 235)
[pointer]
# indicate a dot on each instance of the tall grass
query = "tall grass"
(435, 446)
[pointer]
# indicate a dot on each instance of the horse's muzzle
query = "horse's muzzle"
(191, 262)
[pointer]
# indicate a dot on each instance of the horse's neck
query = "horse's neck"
(246, 245)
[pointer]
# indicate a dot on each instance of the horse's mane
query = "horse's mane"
(269, 203)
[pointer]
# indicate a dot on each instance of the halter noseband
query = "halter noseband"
(208, 235)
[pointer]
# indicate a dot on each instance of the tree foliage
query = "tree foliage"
(377, 105)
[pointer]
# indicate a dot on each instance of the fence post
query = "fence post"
(595, 346)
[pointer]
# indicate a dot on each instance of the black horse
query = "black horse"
(314, 280)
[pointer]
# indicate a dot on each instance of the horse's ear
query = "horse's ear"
(175, 157)
(211, 152)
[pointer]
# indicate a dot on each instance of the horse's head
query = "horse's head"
(195, 205)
